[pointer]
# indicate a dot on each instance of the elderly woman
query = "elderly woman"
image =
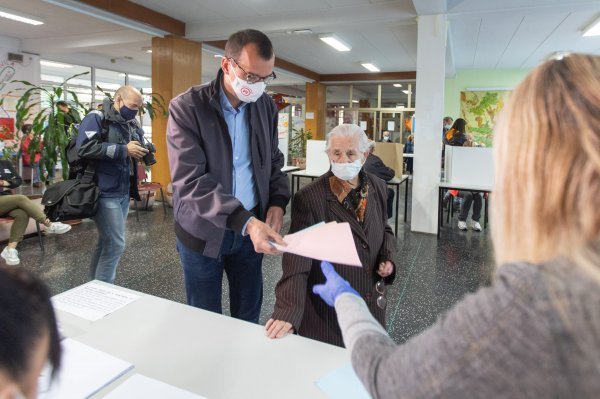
(345, 194)
(535, 332)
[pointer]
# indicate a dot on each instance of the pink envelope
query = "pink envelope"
(332, 242)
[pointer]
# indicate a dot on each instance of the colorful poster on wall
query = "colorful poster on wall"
(480, 109)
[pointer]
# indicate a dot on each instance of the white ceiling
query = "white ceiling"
(483, 33)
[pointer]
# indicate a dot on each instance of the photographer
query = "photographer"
(113, 140)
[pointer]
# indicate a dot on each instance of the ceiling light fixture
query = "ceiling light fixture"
(135, 77)
(355, 101)
(52, 64)
(334, 42)
(19, 17)
(147, 50)
(82, 8)
(370, 66)
(302, 32)
(593, 29)
(397, 85)
(406, 91)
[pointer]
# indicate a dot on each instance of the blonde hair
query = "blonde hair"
(547, 149)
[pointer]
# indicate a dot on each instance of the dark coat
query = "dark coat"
(201, 160)
(375, 242)
(375, 166)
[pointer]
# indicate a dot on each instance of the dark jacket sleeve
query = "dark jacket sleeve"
(387, 251)
(90, 144)
(279, 189)
(376, 167)
(290, 292)
(197, 190)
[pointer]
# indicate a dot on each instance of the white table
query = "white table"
(465, 187)
(396, 182)
(206, 353)
(289, 168)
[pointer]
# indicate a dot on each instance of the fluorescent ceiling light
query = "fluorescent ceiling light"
(147, 50)
(82, 8)
(399, 105)
(371, 67)
(302, 32)
(406, 91)
(593, 29)
(397, 85)
(136, 77)
(53, 64)
(355, 101)
(334, 42)
(19, 17)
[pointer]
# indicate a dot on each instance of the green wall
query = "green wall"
(478, 78)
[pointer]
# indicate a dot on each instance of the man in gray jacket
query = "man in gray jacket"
(226, 172)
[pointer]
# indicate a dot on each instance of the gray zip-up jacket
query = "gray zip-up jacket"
(201, 160)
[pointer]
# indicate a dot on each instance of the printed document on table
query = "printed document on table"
(343, 383)
(83, 372)
(332, 242)
(92, 301)
(140, 386)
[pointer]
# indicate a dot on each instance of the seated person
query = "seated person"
(21, 209)
(26, 156)
(28, 334)
(457, 135)
(344, 194)
(375, 166)
(468, 198)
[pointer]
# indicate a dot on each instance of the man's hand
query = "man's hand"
(275, 218)
(278, 328)
(261, 234)
(385, 268)
(135, 150)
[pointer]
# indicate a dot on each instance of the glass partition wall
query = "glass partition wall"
(375, 107)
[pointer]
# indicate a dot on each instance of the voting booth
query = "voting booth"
(469, 166)
(392, 156)
(317, 161)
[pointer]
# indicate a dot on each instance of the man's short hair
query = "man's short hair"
(62, 103)
(239, 40)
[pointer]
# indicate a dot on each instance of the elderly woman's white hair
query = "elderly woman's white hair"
(349, 130)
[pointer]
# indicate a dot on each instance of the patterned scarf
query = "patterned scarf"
(353, 199)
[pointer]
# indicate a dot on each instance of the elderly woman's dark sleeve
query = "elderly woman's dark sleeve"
(387, 251)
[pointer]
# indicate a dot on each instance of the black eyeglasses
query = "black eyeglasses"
(252, 78)
(381, 299)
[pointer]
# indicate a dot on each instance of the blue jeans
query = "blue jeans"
(204, 277)
(110, 221)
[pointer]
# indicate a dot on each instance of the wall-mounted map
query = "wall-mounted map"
(480, 109)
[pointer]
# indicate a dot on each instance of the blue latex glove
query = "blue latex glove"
(334, 286)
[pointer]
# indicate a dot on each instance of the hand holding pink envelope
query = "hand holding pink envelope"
(332, 242)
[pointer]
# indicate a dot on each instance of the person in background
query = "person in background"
(29, 337)
(228, 189)
(26, 156)
(345, 194)
(375, 166)
(447, 124)
(69, 115)
(457, 134)
(468, 198)
(535, 332)
(409, 148)
(386, 137)
(20, 208)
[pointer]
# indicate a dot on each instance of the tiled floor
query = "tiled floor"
(433, 274)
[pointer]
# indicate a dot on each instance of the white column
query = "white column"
(429, 108)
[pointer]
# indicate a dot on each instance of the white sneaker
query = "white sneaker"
(58, 228)
(476, 226)
(11, 256)
(462, 225)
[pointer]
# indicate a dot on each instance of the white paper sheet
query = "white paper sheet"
(142, 387)
(343, 383)
(332, 242)
(84, 372)
(92, 301)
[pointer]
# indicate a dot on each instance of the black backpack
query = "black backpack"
(72, 199)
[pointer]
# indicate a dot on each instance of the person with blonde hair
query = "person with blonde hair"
(535, 332)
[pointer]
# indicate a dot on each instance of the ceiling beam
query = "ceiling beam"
(360, 77)
(136, 12)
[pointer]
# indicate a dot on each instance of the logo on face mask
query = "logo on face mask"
(247, 92)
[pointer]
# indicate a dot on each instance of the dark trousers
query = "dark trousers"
(468, 198)
(204, 277)
(390, 203)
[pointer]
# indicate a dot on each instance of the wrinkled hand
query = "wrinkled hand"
(275, 218)
(261, 234)
(334, 286)
(385, 268)
(278, 328)
(135, 150)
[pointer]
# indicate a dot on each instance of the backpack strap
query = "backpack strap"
(88, 174)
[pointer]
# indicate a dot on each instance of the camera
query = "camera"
(149, 159)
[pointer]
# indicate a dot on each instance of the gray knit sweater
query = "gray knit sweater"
(535, 333)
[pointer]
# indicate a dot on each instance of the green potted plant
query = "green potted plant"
(297, 146)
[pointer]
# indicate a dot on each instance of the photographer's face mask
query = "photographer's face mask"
(126, 112)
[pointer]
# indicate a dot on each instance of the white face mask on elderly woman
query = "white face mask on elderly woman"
(346, 170)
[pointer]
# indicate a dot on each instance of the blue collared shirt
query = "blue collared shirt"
(244, 186)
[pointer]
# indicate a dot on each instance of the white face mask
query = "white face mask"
(346, 170)
(247, 92)
(448, 126)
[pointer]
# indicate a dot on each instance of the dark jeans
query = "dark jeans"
(204, 277)
(468, 198)
(390, 202)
